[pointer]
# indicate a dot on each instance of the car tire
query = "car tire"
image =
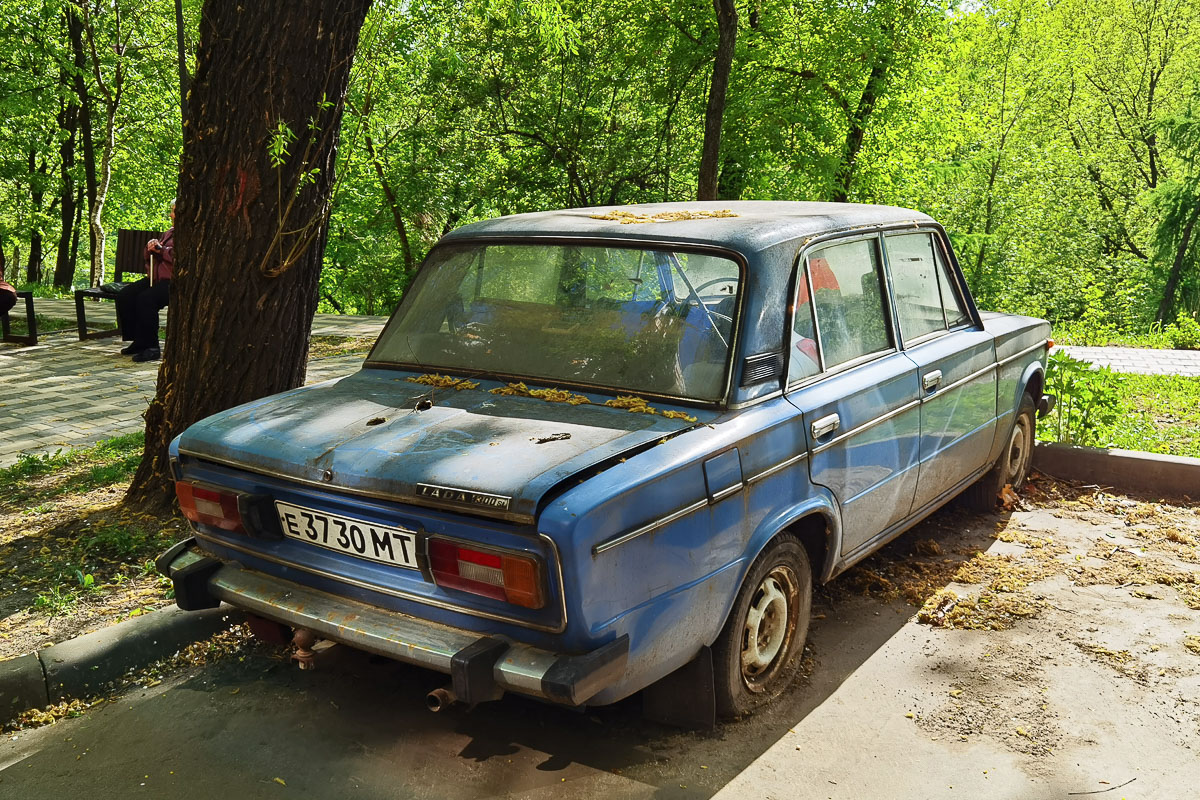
(1012, 468)
(758, 652)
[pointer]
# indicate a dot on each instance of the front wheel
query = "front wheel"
(758, 652)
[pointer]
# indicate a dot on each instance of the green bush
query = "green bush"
(1184, 333)
(1089, 400)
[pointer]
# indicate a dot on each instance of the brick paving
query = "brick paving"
(1140, 360)
(66, 393)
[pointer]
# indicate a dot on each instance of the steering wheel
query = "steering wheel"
(714, 281)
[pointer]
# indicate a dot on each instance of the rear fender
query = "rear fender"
(819, 502)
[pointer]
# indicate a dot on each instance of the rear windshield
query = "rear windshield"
(644, 321)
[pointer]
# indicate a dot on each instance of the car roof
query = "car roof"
(747, 226)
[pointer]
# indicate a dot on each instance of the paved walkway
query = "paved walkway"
(1140, 360)
(67, 393)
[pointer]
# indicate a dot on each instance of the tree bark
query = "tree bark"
(185, 79)
(250, 233)
(856, 133)
(714, 114)
(75, 33)
(68, 121)
(1166, 306)
(37, 194)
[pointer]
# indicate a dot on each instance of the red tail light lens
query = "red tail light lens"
(210, 507)
(503, 576)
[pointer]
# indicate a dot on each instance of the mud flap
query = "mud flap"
(685, 698)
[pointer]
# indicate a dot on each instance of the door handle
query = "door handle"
(931, 380)
(826, 425)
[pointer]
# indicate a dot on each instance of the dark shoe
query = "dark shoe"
(150, 354)
(131, 349)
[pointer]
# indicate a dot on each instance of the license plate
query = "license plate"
(357, 537)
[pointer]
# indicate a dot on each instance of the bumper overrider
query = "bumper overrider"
(481, 667)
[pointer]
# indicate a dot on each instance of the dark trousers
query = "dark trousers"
(138, 305)
(7, 301)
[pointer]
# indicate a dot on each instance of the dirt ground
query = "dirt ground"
(1055, 652)
(1048, 651)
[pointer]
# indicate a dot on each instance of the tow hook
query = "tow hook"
(304, 640)
(440, 699)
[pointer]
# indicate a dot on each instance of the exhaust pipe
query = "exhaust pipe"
(440, 699)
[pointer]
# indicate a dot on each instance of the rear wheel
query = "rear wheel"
(1012, 468)
(758, 652)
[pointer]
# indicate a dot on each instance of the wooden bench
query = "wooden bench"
(31, 336)
(131, 251)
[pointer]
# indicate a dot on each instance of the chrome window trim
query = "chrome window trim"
(588, 240)
(782, 465)
(658, 523)
(1024, 352)
(833, 239)
(416, 598)
(867, 425)
(925, 337)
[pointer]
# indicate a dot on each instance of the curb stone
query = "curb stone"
(1163, 475)
(89, 664)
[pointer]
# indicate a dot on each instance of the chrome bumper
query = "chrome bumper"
(481, 667)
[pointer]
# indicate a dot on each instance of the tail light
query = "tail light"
(210, 506)
(1049, 344)
(510, 577)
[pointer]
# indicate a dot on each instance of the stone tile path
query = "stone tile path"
(67, 393)
(1140, 360)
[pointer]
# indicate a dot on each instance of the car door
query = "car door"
(955, 359)
(858, 393)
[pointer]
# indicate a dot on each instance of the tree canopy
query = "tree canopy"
(1056, 140)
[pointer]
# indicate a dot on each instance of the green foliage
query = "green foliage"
(1184, 333)
(48, 475)
(1088, 400)
(1057, 141)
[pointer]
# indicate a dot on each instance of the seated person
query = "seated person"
(8, 296)
(138, 303)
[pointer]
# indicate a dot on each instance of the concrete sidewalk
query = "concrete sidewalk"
(66, 393)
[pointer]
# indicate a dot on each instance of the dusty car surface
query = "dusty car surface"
(594, 449)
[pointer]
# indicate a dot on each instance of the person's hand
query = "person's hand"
(154, 245)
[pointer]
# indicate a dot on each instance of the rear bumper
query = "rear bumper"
(481, 667)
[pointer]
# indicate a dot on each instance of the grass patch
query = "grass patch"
(1158, 414)
(34, 479)
(327, 346)
(17, 326)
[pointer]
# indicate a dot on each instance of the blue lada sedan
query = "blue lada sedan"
(597, 451)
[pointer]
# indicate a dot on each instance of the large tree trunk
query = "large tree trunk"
(75, 33)
(1166, 306)
(714, 114)
(64, 265)
(856, 132)
(37, 174)
(250, 233)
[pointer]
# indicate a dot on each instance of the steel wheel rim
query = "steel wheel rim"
(768, 627)
(1018, 450)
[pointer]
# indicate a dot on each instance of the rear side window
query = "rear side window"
(848, 302)
(925, 298)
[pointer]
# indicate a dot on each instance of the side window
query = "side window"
(848, 301)
(917, 285)
(803, 358)
(955, 313)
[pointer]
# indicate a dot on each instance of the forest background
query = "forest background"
(1057, 140)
